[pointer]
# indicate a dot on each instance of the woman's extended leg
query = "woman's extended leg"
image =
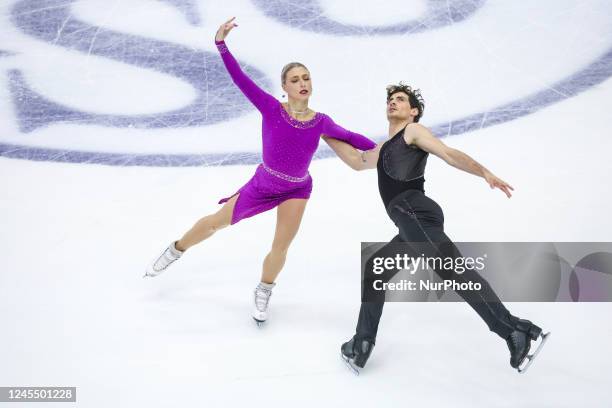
(202, 229)
(288, 217)
(207, 226)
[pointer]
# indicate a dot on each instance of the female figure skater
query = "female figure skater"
(400, 163)
(290, 135)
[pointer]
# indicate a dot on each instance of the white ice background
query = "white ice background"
(76, 237)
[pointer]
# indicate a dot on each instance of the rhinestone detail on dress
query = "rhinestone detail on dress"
(285, 176)
(298, 123)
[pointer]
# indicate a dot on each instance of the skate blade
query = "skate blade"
(150, 273)
(259, 323)
(354, 369)
(530, 357)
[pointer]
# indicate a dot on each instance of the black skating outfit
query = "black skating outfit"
(420, 219)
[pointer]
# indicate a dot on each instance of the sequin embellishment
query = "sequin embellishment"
(285, 176)
(298, 123)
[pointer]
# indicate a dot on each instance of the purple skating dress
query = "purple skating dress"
(288, 147)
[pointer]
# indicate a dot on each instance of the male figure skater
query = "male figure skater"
(400, 163)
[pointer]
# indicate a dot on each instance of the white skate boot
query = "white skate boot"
(263, 291)
(160, 264)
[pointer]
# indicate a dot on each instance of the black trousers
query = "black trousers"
(420, 219)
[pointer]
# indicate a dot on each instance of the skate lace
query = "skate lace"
(262, 297)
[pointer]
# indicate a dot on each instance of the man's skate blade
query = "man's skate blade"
(354, 369)
(531, 357)
(259, 323)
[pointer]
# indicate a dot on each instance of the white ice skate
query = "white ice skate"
(162, 262)
(262, 295)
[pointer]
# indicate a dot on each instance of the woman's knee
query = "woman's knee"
(216, 222)
(280, 250)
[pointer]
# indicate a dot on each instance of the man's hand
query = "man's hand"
(495, 181)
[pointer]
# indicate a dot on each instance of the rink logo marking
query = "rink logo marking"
(310, 16)
(211, 83)
(594, 74)
(208, 76)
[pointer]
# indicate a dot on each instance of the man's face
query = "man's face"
(398, 107)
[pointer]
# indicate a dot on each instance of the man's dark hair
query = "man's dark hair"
(414, 97)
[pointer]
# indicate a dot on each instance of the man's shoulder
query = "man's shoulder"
(415, 127)
(413, 131)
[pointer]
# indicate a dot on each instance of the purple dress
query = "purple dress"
(288, 147)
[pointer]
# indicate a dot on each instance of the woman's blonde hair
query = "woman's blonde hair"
(288, 67)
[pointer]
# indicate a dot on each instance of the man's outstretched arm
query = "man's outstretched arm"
(424, 139)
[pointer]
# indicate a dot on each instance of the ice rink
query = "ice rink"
(119, 128)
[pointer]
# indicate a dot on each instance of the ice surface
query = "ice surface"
(523, 87)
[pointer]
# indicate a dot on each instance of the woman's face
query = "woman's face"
(298, 84)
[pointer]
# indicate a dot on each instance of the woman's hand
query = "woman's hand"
(495, 181)
(224, 29)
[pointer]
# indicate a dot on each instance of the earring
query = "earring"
(283, 95)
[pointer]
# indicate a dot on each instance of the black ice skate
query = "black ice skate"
(519, 343)
(355, 353)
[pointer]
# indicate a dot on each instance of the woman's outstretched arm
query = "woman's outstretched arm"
(331, 129)
(255, 94)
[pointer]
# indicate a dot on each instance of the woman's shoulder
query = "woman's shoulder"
(325, 119)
